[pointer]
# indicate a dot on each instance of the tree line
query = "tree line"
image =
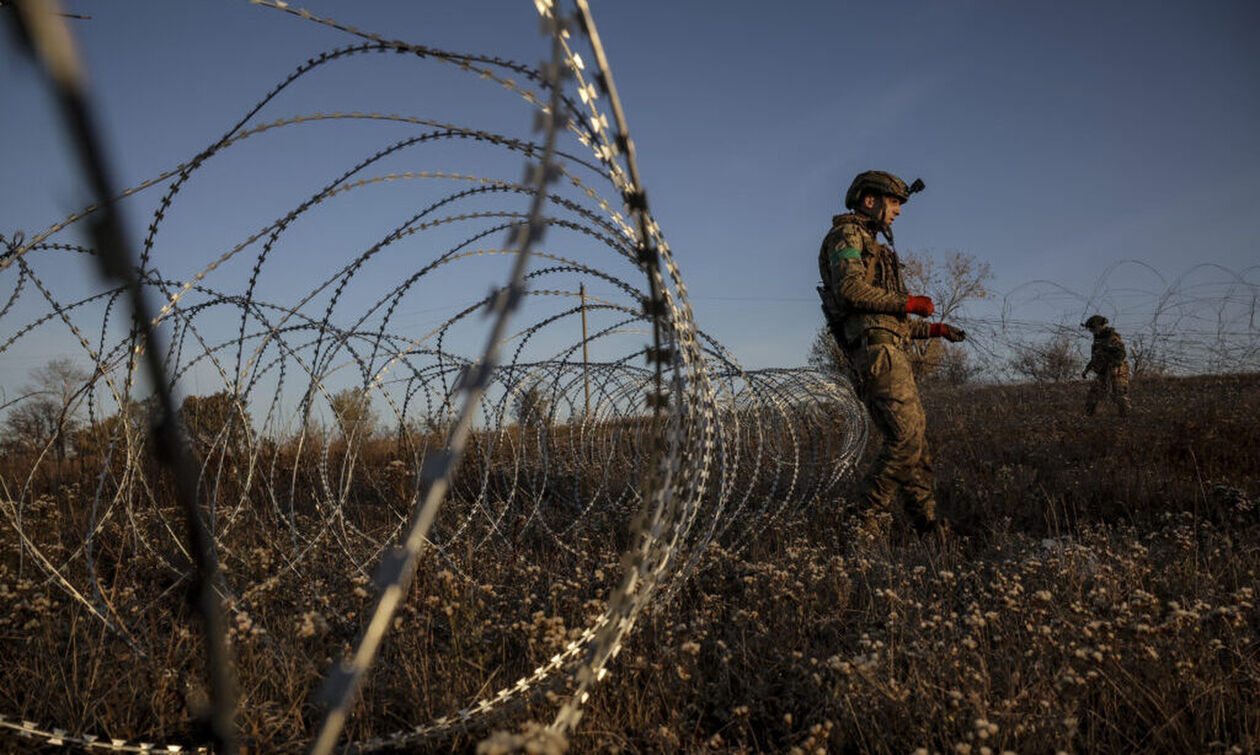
(48, 411)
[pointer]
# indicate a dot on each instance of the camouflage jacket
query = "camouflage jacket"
(863, 278)
(1107, 352)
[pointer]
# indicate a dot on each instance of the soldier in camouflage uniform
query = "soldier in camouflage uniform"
(868, 312)
(1106, 360)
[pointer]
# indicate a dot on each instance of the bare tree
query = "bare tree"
(1055, 361)
(960, 278)
(955, 367)
(32, 423)
(1147, 357)
(48, 411)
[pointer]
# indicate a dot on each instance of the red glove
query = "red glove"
(948, 332)
(920, 305)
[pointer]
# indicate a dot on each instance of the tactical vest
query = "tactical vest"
(883, 271)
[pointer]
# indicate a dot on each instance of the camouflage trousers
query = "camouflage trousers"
(1112, 384)
(904, 464)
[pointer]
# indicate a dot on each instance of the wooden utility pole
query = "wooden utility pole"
(586, 375)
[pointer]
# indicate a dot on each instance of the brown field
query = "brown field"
(1097, 596)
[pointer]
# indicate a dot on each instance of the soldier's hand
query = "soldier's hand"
(948, 332)
(1085, 372)
(920, 305)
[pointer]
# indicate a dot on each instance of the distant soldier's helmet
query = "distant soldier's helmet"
(1094, 321)
(881, 183)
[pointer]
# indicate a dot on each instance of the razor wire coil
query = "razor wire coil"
(675, 416)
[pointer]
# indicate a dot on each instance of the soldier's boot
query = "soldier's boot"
(937, 532)
(923, 516)
(932, 530)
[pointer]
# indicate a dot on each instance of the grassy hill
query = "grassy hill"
(1098, 595)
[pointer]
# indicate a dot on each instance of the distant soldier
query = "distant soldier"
(868, 312)
(1106, 360)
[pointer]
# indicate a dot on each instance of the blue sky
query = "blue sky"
(1057, 139)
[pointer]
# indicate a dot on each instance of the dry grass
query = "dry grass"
(1097, 598)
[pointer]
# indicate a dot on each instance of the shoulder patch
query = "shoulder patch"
(847, 253)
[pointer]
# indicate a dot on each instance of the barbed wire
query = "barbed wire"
(39, 26)
(1203, 320)
(486, 449)
(661, 444)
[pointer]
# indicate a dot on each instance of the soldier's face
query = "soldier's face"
(883, 209)
(892, 208)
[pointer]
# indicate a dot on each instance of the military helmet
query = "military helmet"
(1094, 321)
(882, 183)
